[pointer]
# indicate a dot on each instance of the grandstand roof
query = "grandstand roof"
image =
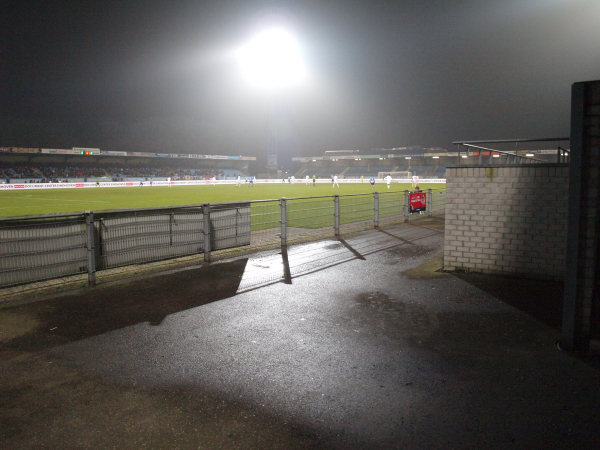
(97, 152)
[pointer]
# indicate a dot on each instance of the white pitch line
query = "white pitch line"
(65, 200)
(17, 207)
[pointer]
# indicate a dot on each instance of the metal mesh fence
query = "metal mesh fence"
(42, 248)
(230, 226)
(391, 207)
(263, 229)
(266, 238)
(438, 201)
(39, 249)
(309, 218)
(147, 236)
(266, 225)
(357, 212)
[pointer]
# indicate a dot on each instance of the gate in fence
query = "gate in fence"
(53, 246)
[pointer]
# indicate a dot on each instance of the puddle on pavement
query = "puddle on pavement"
(430, 269)
(401, 253)
(409, 320)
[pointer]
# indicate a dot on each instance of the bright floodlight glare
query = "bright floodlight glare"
(272, 59)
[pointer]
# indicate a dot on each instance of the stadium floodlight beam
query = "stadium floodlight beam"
(272, 60)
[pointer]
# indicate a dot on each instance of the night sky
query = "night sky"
(160, 76)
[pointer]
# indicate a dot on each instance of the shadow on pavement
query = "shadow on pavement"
(110, 307)
(541, 299)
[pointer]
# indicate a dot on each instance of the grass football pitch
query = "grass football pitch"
(36, 202)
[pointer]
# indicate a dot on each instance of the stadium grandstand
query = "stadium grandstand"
(415, 160)
(425, 162)
(35, 165)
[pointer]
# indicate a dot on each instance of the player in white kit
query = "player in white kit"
(239, 181)
(415, 180)
(388, 180)
(335, 181)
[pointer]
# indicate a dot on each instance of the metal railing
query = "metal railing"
(41, 248)
(488, 155)
(53, 246)
(563, 155)
(138, 237)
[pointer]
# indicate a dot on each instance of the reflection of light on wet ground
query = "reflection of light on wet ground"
(260, 270)
(268, 267)
(329, 351)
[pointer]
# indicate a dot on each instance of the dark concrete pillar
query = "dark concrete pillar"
(581, 307)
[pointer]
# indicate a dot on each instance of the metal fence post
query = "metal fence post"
(283, 221)
(206, 230)
(406, 209)
(430, 202)
(91, 254)
(376, 216)
(336, 213)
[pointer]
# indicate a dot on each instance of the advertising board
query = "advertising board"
(418, 202)
(78, 185)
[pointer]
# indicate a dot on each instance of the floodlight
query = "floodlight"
(464, 156)
(272, 59)
(435, 157)
(529, 154)
(496, 155)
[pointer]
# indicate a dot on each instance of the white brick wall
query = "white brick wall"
(507, 220)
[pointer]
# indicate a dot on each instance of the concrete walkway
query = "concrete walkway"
(376, 350)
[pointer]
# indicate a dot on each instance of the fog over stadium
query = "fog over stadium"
(155, 76)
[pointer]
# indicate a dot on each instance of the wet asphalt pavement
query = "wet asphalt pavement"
(380, 352)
